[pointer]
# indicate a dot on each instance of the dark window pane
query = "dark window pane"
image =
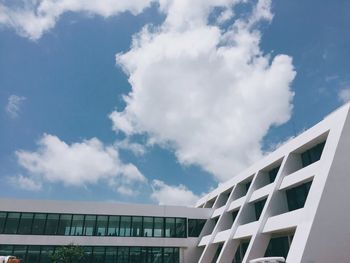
(25, 223)
(259, 206)
(123, 255)
(12, 223)
(33, 254)
(170, 227)
(77, 225)
(234, 215)
(6, 250)
(101, 225)
(98, 255)
(240, 252)
(135, 255)
(46, 252)
(312, 155)
(168, 255)
(273, 173)
(217, 253)
(52, 224)
(64, 225)
(89, 226)
(296, 197)
(19, 252)
(176, 255)
(155, 255)
(113, 226)
(143, 255)
(180, 227)
(38, 224)
(195, 227)
(88, 255)
(2, 221)
(158, 227)
(111, 255)
(136, 226)
(278, 247)
(125, 226)
(148, 226)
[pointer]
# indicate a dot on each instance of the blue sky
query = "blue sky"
(60, 80)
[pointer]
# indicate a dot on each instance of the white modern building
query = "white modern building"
(294, 203)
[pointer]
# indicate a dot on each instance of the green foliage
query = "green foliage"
(68, 254)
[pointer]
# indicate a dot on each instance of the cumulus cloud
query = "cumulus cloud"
(344, 95)
(26, 183)
(165, 194)
(13, 105)
(204, 90)
(33, 18)
(79, 164)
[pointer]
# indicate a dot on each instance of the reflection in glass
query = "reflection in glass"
(113, 226)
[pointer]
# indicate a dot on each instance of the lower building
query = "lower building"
(293, 203)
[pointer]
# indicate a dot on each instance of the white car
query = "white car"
(6, 259)
(268, 260)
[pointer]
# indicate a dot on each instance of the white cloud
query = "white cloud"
(136, 148)
(25, 183)
(205, 91)
(33, 18)
(344, 95)
(78, 164)
(172, 195)
(13, 105)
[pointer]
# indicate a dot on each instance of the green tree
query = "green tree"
(68, 254)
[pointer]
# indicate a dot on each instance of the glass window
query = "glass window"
(259, 206)
(6, 250)
(111, 255)
(155, 255)
(101, 225)
(278, 247)
(312, 155)
(273, 173)
(33, 254)
(176, 255)
(296, 197)
(113, 226)
(144, 255)
(46, 252)
(158, 227)
(77, 225)
(135, 255)
(170, 227)
(123, 255)
(12, 223)
(180, 227)
(195, 227)
(136, 226)
(89, 227)
(19, 252)
(125, 226)
(240, 252)
(87, 255)
(234, 215)
(38, 224)
(168, 255)
(98, 255)
(2, 221)
(148, 226)
(64, 225)
(52, 224)
(25, 224)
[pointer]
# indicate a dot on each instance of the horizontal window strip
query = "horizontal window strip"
(96, 254)
(23, 223)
